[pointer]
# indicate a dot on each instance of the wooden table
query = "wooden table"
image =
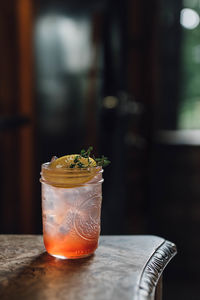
(123, 268)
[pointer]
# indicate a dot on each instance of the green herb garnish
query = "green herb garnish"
(80, 165)
(102, 161)
(76, 159)
(72, 166)
(86, 154)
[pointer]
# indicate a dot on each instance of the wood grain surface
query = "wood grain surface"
(122, 268)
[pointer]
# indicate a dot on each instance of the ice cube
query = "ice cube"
(48, 205)
(50, 219)
(70, 196)
(53, 158)
(49, 223)
(64, 230)
(67, 223)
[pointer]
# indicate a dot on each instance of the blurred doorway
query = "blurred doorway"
(91, 90)
(80, 78)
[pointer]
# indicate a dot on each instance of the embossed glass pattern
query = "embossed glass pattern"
(71, 215)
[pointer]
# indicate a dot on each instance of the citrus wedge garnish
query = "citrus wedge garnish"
(70, 171)
(73, 161)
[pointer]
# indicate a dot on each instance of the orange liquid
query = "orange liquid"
(69, 246)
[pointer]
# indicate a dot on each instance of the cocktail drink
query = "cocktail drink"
(71, 208)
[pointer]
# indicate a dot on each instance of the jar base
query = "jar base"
(73, 257)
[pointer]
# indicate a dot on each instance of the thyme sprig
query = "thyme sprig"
(102, 161)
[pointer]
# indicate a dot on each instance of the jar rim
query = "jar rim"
(71, 170)
(68, 177)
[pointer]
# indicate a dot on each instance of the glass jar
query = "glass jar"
(71, 210)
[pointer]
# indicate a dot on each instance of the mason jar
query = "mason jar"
(71, 210)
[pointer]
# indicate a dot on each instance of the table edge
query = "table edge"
(154, 269)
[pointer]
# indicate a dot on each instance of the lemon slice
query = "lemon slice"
(67, 160)
(59, 172)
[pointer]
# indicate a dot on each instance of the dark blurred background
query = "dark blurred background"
(121, 76)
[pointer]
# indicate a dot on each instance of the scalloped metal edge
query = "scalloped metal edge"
(153, 270)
